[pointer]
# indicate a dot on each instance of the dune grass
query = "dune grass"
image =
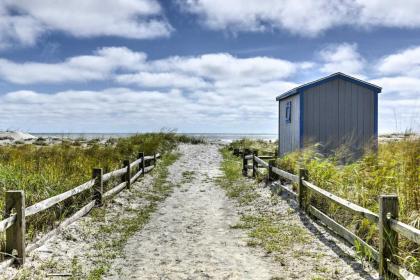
(45, 171)
(232, 181)
(395, 168)
(108, 233)
(263, 147)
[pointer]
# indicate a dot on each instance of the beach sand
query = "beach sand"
(190, 235)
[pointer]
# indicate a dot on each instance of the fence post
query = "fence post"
(303, 175)
(141, 164)
(146, 162)
(15, 235)
(388, 239)
(154, 159)
(127, 175)
(270, 176)
(254, 163)
(245, 162)
(98, 189)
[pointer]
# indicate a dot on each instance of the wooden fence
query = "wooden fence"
(16, 213)
(387, 219)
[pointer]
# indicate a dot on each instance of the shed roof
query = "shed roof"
(300, 88)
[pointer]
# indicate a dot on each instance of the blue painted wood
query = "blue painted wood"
(301, 118)
(335, 113)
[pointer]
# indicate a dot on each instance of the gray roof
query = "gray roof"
(340, 75)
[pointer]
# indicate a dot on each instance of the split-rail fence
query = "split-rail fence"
(15, 212)
(387, 220)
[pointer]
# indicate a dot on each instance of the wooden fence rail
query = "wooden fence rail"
(14, 224)
(387, 219)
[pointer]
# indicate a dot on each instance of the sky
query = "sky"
(197, 65)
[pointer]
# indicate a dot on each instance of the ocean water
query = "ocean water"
(224, 137)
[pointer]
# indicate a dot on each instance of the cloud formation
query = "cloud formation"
(129, 67)
(24, 21)
(342, 58)
(208, 92)
(97, 66)
(306, 18)
(406, 62)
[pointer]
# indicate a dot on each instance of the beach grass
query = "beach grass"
(44, 171)
(263, 147)
(394, 169)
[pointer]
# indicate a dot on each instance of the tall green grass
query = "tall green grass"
(45, 171)
(395, 168)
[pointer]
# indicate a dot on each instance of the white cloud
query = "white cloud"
(162, 80)
(342, 58)
(98, 66)
(399, 114)
(216, 88)
(209, 92)
(307, 17)
(398, 74)
(23, 21)
(399, 103)
(21, 29)
(404, 86)
(405, 62)
(387, 13)
(123, 109)
(196, 72)
(225, 68)
(254, 15)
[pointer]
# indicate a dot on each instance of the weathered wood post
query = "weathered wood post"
(141, 164)
(154, 159)
(127, 175)
(98, 189)
(388, 239)
(146, 163)
(15, 235)
(245, 162)
(270, 176)
(303, 175)
(254, 163)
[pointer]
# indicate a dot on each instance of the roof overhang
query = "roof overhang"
(337, 75)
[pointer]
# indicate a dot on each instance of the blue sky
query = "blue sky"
(197, 65)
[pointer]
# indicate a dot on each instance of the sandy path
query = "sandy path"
(189, 237)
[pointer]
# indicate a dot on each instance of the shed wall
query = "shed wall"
(289, 133)
(339, 112)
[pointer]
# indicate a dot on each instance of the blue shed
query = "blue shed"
(334, 111)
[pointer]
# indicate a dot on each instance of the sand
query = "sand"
(190, 236)
(11, 136)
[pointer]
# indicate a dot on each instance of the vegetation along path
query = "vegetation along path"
(195, 217)
(199, 233)
(191, 236)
